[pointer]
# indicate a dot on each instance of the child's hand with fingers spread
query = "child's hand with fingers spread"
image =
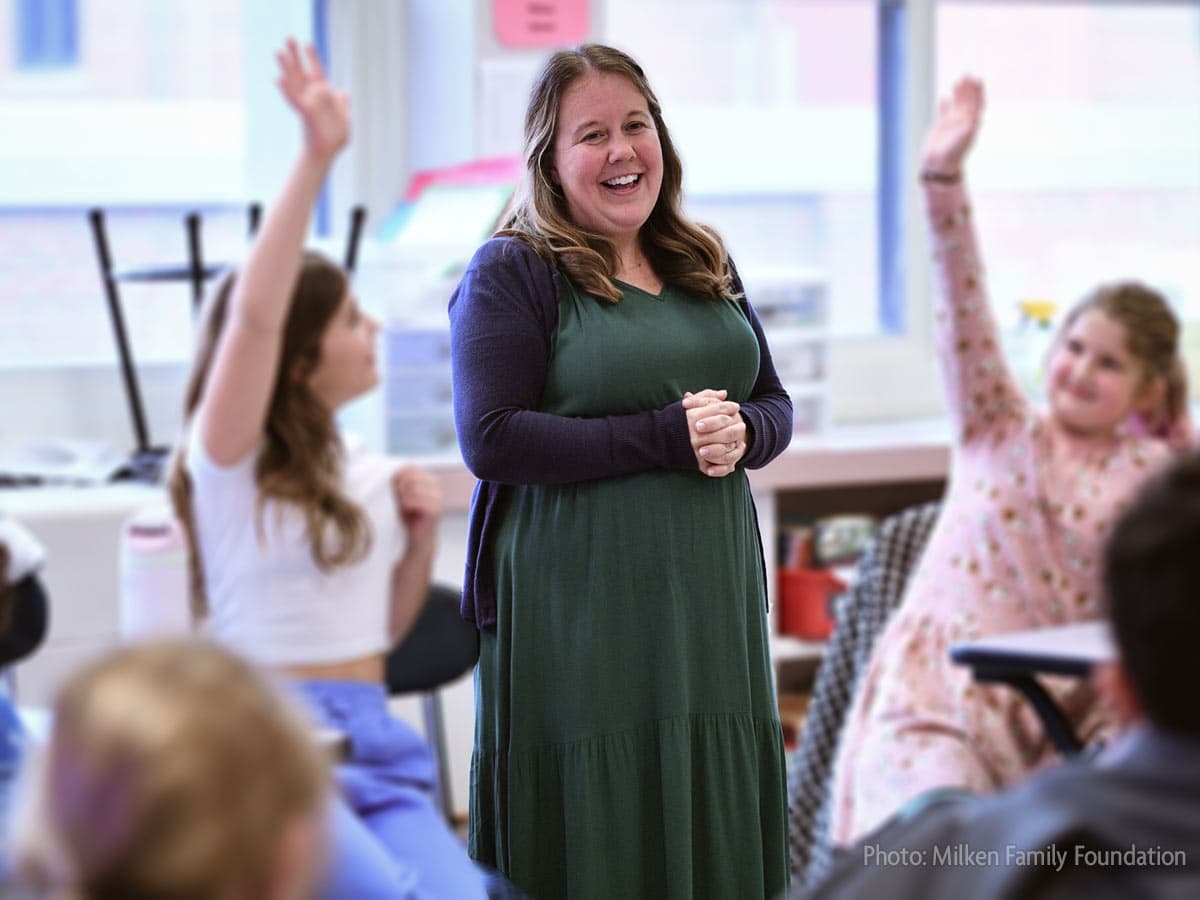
(954, 128)
(324, 111)
(717, 431)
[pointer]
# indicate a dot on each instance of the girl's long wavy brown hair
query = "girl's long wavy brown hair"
(300, 459)
(684, 254)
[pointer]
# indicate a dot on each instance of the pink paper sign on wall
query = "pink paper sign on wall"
(540, 23)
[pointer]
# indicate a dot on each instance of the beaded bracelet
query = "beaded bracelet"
(941, 177)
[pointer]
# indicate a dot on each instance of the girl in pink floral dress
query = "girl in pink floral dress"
(1030, 498)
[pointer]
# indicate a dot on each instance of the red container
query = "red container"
(804, 596)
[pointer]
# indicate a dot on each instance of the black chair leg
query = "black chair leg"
(1055, 722)
(358, 216)
(195, 258)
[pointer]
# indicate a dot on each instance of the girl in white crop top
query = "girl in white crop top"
(306, 557)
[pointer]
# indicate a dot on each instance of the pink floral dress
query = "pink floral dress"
(1017, 546)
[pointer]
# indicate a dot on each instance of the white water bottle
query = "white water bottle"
(154, 575)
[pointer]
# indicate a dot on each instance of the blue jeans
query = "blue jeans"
(12, 751)
(389, 839)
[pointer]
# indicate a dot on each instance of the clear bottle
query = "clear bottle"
(1029, 345)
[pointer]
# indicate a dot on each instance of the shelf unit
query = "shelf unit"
(793, 305)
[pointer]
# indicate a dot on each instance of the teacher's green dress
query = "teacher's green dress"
(627, 737)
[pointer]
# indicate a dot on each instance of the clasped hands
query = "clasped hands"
(716, 429)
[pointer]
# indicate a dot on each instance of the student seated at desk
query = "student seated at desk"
(174, 769)
(1125, 824)
(1031, 496)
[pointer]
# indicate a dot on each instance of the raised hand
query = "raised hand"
(324, 111)
(954, 128)
(717, 431)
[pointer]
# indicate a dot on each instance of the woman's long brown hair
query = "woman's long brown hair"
(300, 458)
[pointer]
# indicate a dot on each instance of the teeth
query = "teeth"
(624, 179)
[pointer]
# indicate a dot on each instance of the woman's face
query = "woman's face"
(346, 366)
(607, 157)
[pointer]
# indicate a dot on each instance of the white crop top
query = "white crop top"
(267, 598)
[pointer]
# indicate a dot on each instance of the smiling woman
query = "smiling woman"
(611, 387)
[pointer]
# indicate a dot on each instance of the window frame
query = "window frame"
(903, 356)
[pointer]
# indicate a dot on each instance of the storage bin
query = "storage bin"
(804, 600)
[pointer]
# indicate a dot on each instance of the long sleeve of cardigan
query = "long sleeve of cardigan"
(768, 411)
(502, 320)
(503, 317)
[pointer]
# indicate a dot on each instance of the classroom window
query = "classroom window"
(798, 121)
(155, 122)
(1088, 167)
(775, 106)
(47, 34)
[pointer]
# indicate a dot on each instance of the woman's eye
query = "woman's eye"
(636, 126)
(591, 137)
(1074, 346)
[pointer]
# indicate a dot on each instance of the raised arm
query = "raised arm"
(501, 322)
(953, 131)
(233, 409)
(981, 394)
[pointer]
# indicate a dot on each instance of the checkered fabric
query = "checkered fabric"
(859, 615)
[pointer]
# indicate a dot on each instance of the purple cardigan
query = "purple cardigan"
(503, 316)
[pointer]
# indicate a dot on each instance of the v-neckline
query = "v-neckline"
(660, 296)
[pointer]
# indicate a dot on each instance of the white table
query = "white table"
(1018, 657)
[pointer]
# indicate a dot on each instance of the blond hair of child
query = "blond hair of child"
(175, 769)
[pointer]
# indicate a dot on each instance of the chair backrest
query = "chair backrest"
(358, 217)
(28, 621)
(860, 614)
(440, 647)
